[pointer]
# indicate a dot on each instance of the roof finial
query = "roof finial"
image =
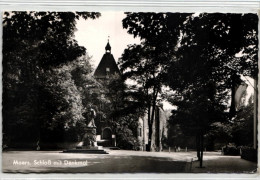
(108, 47)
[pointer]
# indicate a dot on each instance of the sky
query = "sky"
(94, 35)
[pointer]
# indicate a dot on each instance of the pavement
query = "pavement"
(122, 161)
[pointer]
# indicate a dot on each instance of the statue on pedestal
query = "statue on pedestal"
(92, 118)
(89, 138)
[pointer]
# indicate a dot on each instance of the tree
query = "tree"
(146, 63)
(197, 108)
(140, 64)
(208, 57)
(203, 53)
(122, 113)
(242, 126)
(34, 44)
(229, 41)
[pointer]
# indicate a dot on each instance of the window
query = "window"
(107, 72)
(139, 131)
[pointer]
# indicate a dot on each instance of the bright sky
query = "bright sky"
(250, 88)
(93, 35)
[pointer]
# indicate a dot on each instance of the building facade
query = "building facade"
(106, 68)
(159, 130)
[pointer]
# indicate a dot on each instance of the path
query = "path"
(121, 161)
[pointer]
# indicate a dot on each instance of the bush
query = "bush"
(231, 150)
(249, 153)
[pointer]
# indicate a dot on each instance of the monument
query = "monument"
(89, 142)
(89, 138)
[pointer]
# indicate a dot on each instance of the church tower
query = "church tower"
(104, 72)
(107, 65)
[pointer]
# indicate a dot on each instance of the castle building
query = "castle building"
(159, 130)
(107, 65)
(106, 68)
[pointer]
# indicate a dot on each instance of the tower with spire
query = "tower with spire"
(104, 72)
(107, 66)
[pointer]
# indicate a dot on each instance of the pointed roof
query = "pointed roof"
(107, 63)
(108, 47)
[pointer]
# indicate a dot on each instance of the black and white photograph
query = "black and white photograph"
(129, 92)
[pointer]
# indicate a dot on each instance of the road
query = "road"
(120, 161)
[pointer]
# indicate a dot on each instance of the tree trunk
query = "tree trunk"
(151, 125)
(236, 81)
(150, 137)
(198, 145)
(232, 110)
(201, 149)
(151, 116)
(149, 130)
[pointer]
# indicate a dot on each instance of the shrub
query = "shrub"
(249, 153)
(231, 150)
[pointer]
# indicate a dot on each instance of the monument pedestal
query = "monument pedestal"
(88, 144)
(89, 147)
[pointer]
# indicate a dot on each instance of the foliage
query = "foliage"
(123, 113)
(231, 149)
(126, 137)
(158, 30)
(239, 131)
(203, 55)
(139, 64)
(207, 66)
(249, 153)
(38, 91)
(242, 128)
(146, 64)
